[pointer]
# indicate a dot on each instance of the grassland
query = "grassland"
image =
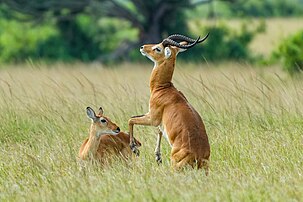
(254, 119)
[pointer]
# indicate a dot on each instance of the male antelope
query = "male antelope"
(169, 110)
(105, 138)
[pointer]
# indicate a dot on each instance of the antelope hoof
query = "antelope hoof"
(134, 149)
(158, 158)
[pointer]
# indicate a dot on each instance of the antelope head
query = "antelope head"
(169, 47)
(101, 125)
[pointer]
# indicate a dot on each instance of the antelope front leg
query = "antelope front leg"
(157, 150)
(139, 120)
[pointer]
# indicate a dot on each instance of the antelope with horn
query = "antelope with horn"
(170, 111)
(105, 139)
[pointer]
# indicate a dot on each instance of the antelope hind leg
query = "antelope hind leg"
(158, 150)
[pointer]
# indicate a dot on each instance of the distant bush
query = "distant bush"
(266, 8)
(19, 41)
(224, 43)
(22, 41)
(290, 52)
(74, 40)
(81, 39)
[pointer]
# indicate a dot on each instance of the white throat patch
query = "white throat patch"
(152, 59)
(106, 132)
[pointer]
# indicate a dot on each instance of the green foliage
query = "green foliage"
(266, 8)
(69, 40)
(82, 39)
(251, 8)
(111, 32)
(4, 11)
(223, 43)
(290, 51)
(176, 25)
(19, 41)
(74, 41)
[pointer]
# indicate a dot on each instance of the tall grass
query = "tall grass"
(254, 120)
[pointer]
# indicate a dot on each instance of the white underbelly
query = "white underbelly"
(164, 133)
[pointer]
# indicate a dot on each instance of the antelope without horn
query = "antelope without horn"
(105, 139)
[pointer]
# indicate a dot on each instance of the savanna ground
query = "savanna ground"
(253, 116)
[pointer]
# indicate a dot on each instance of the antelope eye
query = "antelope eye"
(158, 49)
(103, 120)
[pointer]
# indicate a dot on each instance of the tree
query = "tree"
(154, 18)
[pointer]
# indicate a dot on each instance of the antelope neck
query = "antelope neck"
(161, 75)
(94, 132)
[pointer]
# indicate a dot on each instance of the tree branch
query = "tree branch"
(116, 10)
(38, 8)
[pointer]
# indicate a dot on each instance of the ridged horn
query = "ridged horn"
(171, 42)
(180, 37)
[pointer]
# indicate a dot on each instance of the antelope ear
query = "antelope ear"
(100, 111)
(167, 52)
(91, 113)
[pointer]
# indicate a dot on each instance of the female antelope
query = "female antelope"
(105, 138)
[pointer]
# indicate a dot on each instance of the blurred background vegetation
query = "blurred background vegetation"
(110, 31)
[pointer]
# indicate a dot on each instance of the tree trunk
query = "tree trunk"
(150, 33)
